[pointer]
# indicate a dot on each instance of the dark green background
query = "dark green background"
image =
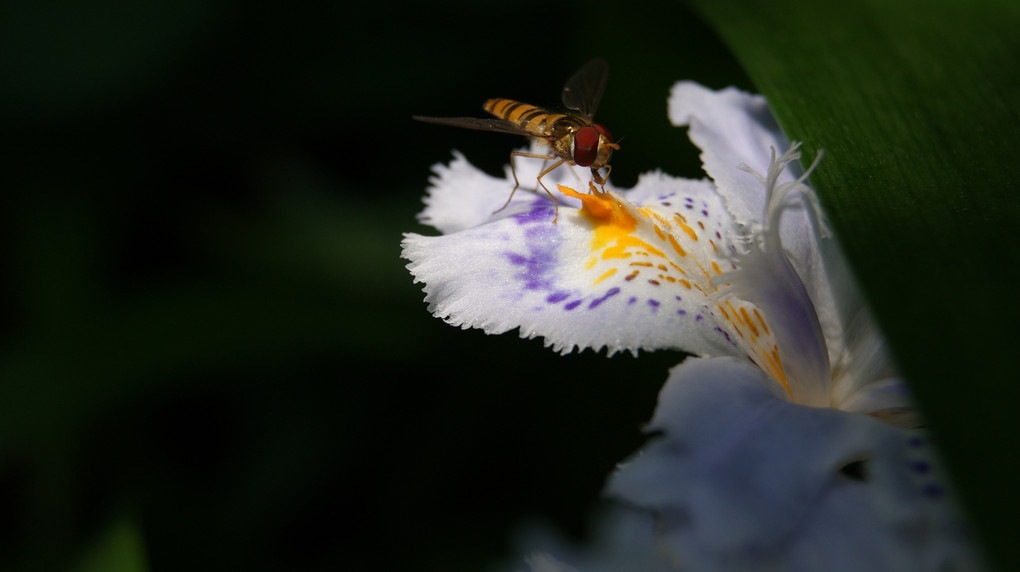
(212, 355)
(207, 331)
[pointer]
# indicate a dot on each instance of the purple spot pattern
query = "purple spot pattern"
(609, 294)
(557, 297)
(535, 267)
(921, 468)
(542, 210)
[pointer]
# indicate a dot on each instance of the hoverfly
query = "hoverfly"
(573, 138)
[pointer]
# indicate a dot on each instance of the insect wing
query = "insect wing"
(583, 91)
(496, 125)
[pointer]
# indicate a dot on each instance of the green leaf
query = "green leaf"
(916, 106)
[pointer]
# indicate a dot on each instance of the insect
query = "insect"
(572, 137)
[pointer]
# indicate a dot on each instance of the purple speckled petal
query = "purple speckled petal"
(644, 288)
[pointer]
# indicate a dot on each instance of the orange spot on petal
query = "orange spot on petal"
(603, 209)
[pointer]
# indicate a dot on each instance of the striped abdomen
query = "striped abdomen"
(533, 119)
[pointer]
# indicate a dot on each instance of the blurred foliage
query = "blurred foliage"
(206, 323)
(118, 549)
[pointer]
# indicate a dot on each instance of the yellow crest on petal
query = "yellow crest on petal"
(681, 256)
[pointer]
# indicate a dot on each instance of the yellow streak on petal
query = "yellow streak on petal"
(623, 242)
(736, 314)
(605, 275)
(749, 321)
(676, 245)
(725, 315)
(617, 251)
(762, 350)
(761, 321)
(774, 367)
(650, 214)
(680, 220)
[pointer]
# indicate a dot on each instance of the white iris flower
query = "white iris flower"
(783, 445)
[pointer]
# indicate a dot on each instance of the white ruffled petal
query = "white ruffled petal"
(625, 277)
(731, 127)
(743, 480)
(462, 196)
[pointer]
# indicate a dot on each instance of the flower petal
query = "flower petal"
(744, 480)
(613, 274)
(840, 323)
(462, 196)
(731, 127)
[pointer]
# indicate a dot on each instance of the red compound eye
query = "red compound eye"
(603, 131)
(586, 145)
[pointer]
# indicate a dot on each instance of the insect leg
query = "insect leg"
(513, 170)
(600, 179)
(556, 204)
